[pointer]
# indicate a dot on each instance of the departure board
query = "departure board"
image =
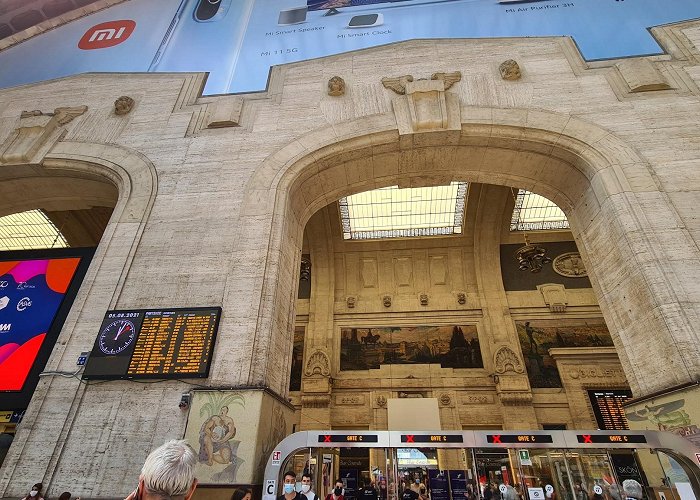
(607, 407)
(163, 343)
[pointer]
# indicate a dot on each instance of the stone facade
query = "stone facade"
(215, 194)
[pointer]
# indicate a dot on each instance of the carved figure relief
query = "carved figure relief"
(461, 298)
(318, 363)
(423, 299)
(570, 265)
(336, 86)
(123, 105)
(445, 399)
(386, 300)
(37, 131)
(510, 70)
(507, 361)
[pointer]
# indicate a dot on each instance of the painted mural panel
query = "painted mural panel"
(222, 435)
(678, 413)
(449, 346)
(538, 337)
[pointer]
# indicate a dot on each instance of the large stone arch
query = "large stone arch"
(604, 186)
(39, 442)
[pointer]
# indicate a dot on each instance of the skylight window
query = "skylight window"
(534, 212)
(29, 230)
(404, 213)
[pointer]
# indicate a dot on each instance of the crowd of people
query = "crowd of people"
(169, 474)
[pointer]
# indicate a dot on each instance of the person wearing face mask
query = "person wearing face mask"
(35, 492)
(289, 491)
(338, 492)
(306, 482)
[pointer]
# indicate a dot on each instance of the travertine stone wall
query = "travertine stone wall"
(216, 216)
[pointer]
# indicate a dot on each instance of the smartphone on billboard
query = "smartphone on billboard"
(122, 38)
(206, 35)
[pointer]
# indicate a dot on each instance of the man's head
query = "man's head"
(168, 472)
(632, 488)
(224, 410)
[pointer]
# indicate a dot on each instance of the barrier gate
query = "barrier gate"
(511, 465)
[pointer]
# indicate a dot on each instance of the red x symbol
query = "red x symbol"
(410, 439)
(587, 438)
(497, 438)
(326, 439)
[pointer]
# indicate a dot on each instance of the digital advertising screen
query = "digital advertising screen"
(163, 343)
(238, 41)
(36, 291)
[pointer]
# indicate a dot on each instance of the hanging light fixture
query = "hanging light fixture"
(531, 257)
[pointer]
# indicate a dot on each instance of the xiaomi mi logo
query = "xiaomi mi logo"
(107, 34)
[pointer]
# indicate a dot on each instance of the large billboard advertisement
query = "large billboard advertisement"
(238, 41)
(35, 293)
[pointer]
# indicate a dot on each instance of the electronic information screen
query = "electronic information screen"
(611, 438)
(607, 407)
(163, 343)
(348, 438)
(518, 438)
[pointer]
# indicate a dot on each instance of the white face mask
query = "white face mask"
(305, 488)
(33, 493)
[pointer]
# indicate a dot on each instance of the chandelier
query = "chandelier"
(531, 257)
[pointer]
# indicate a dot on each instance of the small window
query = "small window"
(533, 212)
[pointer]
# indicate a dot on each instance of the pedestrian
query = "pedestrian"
(306, 486)
(167, 472)
(241, 494)
(35, 492)
(289, 491)
(338, 492)
(408, 493)
(632, 489)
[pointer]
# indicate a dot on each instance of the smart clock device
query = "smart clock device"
(366, 21)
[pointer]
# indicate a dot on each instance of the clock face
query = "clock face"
(117, 336)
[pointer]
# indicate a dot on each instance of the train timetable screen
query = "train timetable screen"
(163, 343)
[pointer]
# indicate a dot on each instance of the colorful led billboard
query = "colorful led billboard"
(31, 292)
(238, 41)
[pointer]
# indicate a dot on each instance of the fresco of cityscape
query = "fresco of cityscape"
(450, 346)
(537, 337)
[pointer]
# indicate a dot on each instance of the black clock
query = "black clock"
(117, 336)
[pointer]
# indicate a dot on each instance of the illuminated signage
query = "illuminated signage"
(348, 438)
(518, 438)
(607, 408)
(431, 438)
(611, 438)
(170, 343)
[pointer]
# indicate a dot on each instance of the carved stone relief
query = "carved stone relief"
(381, 401)
(350, 301)
(446, 399)
(386, 300)
(336, 86)
(510, 70)
(423, 297)
(570, 265)
(594, 372)
(123, 105)
(506, 360)
(350, 399)
(554, 296)
(461, 298)
(318, 364)
(36, 135)
(424, 104)
(478, 399)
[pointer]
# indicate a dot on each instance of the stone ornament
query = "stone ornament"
(336, 86)
(381, 401)
(570, 265)
(386, 300)
(507, 361)
(423, 299)
(318, 363)
(399, 83)
(510, 70)
(123, 105)
(305, 269)
(350, 302)
(37, 133)
(445, 399)
(554, 295)
(461, 298)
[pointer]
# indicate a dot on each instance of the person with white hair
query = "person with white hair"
(633, 490)
(167, 473)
